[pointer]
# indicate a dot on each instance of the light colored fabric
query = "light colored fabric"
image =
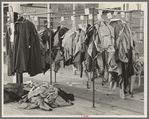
(40, 96)
(56, 40)
(68, 34)
(106, 35)
(78, 41)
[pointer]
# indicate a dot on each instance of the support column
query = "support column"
(49, 26)
(93, 68)
(15, 7)
(74, 20)
(127, 15)
(48, 15)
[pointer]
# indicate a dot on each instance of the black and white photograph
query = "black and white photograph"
(74, 59)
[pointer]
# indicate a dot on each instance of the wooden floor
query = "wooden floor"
(80, 108)
(107, 102)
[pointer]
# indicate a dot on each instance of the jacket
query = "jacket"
(27, 54)
(67, 43)
(124, 49)
(77, 42)
(57, 36)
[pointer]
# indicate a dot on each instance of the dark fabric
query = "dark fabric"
(117, 56)
(9, 53)
(48, 61)
(57, 67)
(7, 40)
(117, 25)
(88, 35)
(46, 36)
(27, 54)
(84, 50)
(130, 63)
(62, 31)
(13, 92)
(105, 72)
(15, 16)
(35, 66)
(58, 58)
(69, 61)
(59, 53)
(78, 59)
(125, 75)
(91, 62)
(10, 97)
(127, 67)
(66, 96)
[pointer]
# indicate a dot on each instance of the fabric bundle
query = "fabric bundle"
(45, 97)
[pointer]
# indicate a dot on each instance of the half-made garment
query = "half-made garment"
(26, 49)
(44, 97)
(124, 50)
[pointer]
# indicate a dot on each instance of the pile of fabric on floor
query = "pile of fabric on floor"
(44, 96)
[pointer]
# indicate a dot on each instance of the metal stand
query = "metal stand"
(93, 89)
(93, 69)
(87, 20)
(55, 77)
(19, 77)
(50, 51)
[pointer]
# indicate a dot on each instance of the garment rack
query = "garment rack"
(93, 9)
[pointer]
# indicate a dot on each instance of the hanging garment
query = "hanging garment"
(91, 57)
(67, 43)
(58, 36)
(67, 36)
(79, 50)
(59, 57)
(78, 59)
(122, 40)
(58, 49)
(9, 52)
(105, 41)
(106, 35)
(26, 52)
(47, 35)
(91, 50)
(123, 46)
(77, 42)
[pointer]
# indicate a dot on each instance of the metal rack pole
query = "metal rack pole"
(87, 20)
(50, 51)
(55, 77)
(93, 68)
(19, 78)
(49, 25)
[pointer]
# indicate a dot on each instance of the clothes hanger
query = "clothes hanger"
(99, 21)
(117, 18)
